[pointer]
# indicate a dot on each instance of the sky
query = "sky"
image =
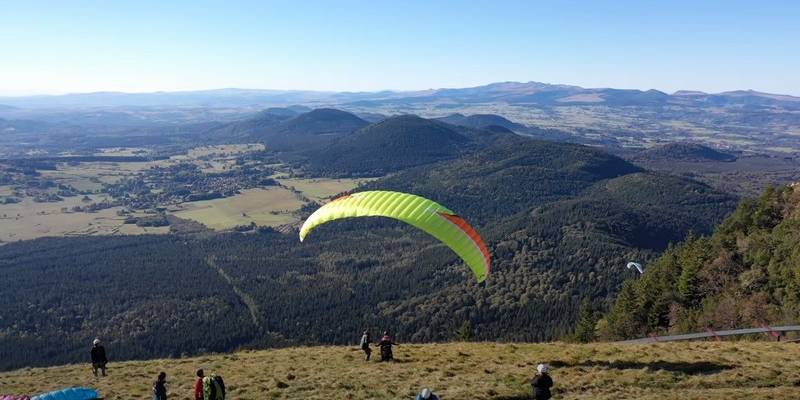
(53, 47)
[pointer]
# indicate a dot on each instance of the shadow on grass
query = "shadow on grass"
(689, 368)
(515, 397)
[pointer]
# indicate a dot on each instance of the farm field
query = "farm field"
(322, 189)
(697, 370)
(30, 220)
(272, 206)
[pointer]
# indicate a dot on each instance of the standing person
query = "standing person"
(366, 340)
(99, 359)
(386, 344)
(542, 383)
(426, 394)
(198, 385)
(160, 387)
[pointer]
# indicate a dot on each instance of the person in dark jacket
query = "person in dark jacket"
(386, 344)
(366, 340)
(542, 383)
(160, 387)
(99, 359)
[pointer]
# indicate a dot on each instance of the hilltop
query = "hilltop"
(482, 121)
(687, 152)
(700, 370)
(287, 129)
(392, 144)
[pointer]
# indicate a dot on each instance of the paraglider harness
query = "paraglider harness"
(213, 388)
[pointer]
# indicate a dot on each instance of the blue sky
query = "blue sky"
(136, 46)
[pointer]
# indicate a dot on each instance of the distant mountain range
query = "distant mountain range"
(504, 92)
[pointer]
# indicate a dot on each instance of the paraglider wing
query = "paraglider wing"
(417, 211)
(637, 266)
(76, 393)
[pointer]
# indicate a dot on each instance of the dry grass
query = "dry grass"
(700, 370)
(30, 220)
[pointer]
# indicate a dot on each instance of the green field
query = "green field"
(699, 370)
(322, 189)
(273, 206)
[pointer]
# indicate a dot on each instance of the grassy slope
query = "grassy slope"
(700, 370)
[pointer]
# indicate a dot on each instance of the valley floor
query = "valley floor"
(699, 370)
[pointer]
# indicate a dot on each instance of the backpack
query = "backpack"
(213, 388)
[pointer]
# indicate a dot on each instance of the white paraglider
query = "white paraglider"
(637, 266)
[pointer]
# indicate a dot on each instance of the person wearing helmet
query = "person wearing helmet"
(426, 394)
(99, 359)
(542, 383)
(386, 344)
(198, 385)
(366, 340)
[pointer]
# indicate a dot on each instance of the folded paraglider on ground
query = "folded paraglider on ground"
(76, 393)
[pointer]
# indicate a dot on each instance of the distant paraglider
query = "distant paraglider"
(637, 266)
(417, 211)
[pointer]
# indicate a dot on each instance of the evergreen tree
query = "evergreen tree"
(587, 319)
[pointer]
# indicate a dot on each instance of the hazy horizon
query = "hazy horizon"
(23, 94)
(143, 47)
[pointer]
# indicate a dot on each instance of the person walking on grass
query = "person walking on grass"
(99, 359)
(160, 387)
(366, 340)
(542, 383)
(198, 385)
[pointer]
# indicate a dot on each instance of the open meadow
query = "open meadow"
(698, 370)
(322, 189)
(271, 207)
(30, 220)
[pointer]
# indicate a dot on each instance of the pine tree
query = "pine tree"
(464, 333)
(587, 319)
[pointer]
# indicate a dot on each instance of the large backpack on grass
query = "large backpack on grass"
(213, 388)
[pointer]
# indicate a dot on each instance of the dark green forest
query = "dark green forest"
(746, 274)
(560, 220)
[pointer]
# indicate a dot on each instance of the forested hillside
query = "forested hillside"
(390, 145)
(561, 220)
(745, 274)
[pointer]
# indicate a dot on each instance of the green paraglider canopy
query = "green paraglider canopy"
(420, 212)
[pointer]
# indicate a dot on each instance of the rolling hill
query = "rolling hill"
(284, 129)
(482, 121)
(392, 144)
(687, 152)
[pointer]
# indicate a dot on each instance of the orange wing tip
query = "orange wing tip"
(472, 234)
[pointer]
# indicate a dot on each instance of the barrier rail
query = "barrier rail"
(774, 331)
